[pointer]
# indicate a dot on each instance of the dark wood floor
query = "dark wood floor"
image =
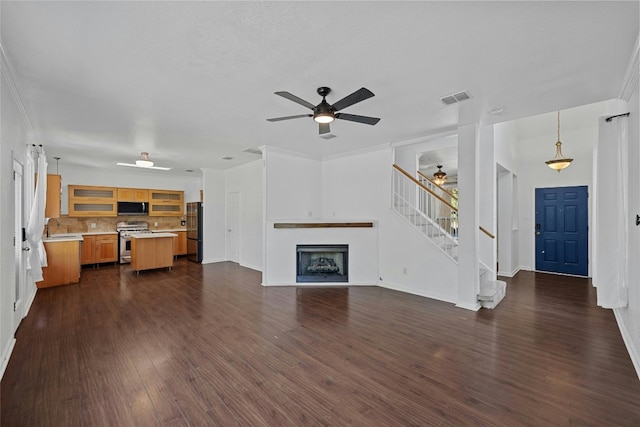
(206, 345)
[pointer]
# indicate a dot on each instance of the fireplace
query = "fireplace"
(322, 263)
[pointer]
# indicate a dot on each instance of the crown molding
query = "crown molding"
(8, 74)
(630, 82)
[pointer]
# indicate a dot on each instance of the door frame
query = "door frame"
(229, 232)
(19, 267)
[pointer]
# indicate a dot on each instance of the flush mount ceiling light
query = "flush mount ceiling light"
(559, 162)
(439, 177)
(144, 163)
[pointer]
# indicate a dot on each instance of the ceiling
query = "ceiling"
(194, 82)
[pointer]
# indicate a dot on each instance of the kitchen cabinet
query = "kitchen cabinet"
(100, 248)
(180, 243)
(63, 259)
(133, 195)
(52, 205)
(166, 203)
(88, 252)
(91, 201)
(152, 250)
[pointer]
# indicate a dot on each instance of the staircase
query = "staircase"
(427, 210)
(491, 291)
(432, 211)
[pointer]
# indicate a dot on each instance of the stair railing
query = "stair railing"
(429, 212)
(443, 192)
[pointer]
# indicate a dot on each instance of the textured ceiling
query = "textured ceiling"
(193, 82)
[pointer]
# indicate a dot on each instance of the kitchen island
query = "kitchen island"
(63, 260)
(151, 250)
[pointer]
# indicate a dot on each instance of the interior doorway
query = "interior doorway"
(233, 226)
(19, 247)
(561, 230)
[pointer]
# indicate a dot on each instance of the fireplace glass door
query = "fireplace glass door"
(322, 263)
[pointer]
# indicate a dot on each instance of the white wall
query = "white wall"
(507, 247)
(532, 152)
(247, 181)
(293, 192)
(629, 318)
(127, 177)
(13, 140)
(359, 187)
(213, 244)
(487, 199)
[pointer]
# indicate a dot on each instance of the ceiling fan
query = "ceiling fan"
(144, 163)
(324, 113)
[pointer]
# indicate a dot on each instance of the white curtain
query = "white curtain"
(35, 226)
(610, 274)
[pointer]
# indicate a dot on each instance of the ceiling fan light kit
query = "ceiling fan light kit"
(440, 176)
(324, 113)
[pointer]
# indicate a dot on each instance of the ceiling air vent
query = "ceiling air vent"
(252, 151)
(456, 97)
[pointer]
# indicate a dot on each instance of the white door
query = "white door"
(233, 226)
(19, 245)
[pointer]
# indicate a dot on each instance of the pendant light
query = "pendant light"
(559, 162)
(439, 177)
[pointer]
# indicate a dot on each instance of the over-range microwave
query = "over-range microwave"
(133, 208)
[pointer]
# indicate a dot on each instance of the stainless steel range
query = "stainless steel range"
(126, 229)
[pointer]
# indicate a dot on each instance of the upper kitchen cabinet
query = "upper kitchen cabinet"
(133, 195)
(166, 203)
(52, 205)
(90, 201)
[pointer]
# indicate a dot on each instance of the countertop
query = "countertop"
(96, 233)
(63, 238)
(167, 230)
(152, 235)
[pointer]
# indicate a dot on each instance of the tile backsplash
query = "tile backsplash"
(66, 224)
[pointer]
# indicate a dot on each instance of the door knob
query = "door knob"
(537, 233)
(26, 249)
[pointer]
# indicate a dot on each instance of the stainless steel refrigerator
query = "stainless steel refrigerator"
(194, 231)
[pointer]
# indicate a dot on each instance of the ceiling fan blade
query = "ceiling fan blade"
(294, 98)
(357, 96)
(277, 119)
(324, 128)
(359, 119)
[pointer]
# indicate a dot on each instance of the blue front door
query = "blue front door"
(562, 230)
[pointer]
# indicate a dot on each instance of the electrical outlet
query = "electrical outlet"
(404, 270)
(155, 224)
(93, 225)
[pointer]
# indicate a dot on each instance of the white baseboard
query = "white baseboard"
(507, 274)
(430, 295)
(472, 307)
(211, 261)
(628, 341)
(253, 267)
(29, 301)
(6, 354)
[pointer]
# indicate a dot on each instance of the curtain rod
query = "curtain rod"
(608, 119)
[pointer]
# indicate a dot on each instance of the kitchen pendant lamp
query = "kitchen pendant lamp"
(439, 177)
(559, 162)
